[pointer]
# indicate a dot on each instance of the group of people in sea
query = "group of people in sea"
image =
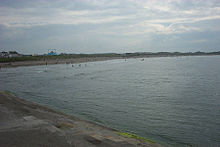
(67, 63)
(75, 65)
(79, 65)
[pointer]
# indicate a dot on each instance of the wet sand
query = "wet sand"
(25, 123)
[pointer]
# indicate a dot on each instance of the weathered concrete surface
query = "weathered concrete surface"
(26, 124)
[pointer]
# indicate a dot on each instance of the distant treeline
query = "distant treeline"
(171, 54)
(124, 55)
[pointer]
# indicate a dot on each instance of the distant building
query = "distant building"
(14, 54)
(9, 54)
(4, 54)
(52, 53)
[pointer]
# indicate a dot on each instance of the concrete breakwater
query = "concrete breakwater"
(24, 123)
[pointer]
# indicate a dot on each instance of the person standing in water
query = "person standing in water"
(46, 66)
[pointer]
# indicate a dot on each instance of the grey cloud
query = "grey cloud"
(107, 26)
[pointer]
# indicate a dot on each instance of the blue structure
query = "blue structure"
(51, 52)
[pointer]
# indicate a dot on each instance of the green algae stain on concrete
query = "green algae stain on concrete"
(129, 135)
(8, 93)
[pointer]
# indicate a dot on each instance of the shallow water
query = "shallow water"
(174, 101)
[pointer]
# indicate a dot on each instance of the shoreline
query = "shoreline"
(55, 61)
(81, 60)
(25, 123)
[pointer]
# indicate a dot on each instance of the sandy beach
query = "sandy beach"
(25, 123)
(74, 60)
(56, 61)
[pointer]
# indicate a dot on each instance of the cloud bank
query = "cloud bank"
(109, 26)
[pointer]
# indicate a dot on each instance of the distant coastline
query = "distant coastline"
(28, 60)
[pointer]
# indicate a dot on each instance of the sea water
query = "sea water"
(171, 100)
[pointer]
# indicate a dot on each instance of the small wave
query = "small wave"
(80, 74)
(176, 141)
(120, 111)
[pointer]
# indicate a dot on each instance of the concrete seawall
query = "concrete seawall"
(25, 123)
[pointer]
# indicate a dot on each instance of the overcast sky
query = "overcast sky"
(98, 26)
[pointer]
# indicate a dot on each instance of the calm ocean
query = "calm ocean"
(172, 100)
